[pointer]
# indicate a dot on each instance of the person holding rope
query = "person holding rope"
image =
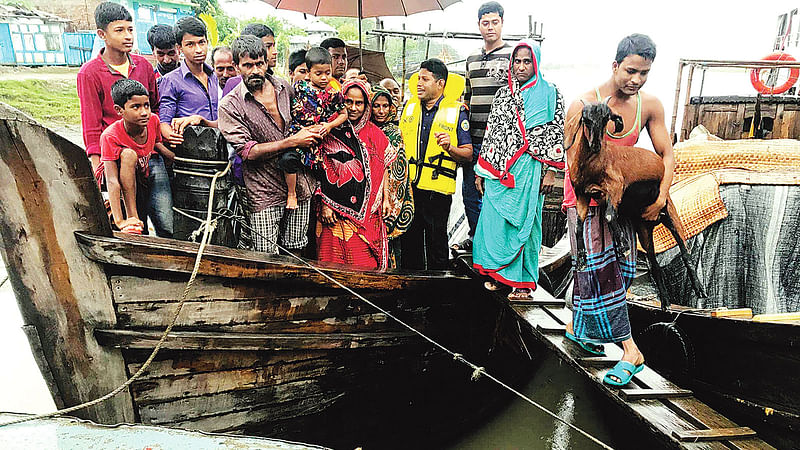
(255, 119)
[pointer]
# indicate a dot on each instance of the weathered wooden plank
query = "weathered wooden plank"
(177, 363)
(535, 315)
(178, 256)
(259, 414)
(266, 317)
(553, 329)
(140, 288)
(206, 383)
(47, 192)
(196, 407)
(660, 394)
(706, 417)
(563, 314)
(716, 434)
(188, 340)
(695, 411)
(598, 361)
(652, 413)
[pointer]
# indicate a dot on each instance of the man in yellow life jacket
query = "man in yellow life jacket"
(435, 129)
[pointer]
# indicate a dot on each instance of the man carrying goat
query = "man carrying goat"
(600, 313)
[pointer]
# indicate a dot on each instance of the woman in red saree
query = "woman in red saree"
(350, 226)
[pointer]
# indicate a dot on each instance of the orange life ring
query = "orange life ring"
(794, 75)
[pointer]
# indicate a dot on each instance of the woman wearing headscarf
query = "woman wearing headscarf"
(399, 202)
(350, 227)
(523, 147)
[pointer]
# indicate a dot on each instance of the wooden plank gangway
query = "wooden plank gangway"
(671, 413)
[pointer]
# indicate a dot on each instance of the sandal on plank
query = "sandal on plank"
(133, 228)
(463, 246)
(624, 371)
(594, 349)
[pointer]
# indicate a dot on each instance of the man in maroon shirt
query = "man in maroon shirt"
(115, 62)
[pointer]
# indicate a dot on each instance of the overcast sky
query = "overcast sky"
(584, 34)
(587, 31)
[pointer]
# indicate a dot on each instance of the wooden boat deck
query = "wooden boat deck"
(673, 414)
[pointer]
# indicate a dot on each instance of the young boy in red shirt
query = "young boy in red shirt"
(131, 151)
(115, 62)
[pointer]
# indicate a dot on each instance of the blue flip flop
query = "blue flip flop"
(594, 349)
(624, 371)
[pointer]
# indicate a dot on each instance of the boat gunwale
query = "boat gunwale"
(222, 254)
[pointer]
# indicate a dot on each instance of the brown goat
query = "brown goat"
(626, 180)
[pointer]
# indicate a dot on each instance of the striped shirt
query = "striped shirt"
(486, 73)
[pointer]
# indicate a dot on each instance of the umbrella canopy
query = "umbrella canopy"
(372, 62)
(369, 8)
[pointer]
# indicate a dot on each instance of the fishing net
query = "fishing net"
(750, 259)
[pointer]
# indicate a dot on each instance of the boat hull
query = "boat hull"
(267, 347)
(747, 369)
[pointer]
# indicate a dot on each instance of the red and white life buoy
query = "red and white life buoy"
(755, 75)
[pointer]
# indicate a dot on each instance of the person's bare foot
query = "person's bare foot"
(291, 200)
(630, 354)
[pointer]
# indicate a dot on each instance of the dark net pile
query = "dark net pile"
(751, 259)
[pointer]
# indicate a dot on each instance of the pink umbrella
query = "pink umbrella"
(361, 8)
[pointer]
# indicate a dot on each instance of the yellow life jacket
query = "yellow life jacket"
(432, 168)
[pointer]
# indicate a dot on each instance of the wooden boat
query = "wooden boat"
(264, 345)
(744, 367)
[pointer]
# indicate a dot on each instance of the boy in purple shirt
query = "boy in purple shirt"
(189, 94)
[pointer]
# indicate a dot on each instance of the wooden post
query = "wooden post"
(48, 192)
(688, 95)
(531, 28)
(677, 99)
(428, 43)
(403, 76)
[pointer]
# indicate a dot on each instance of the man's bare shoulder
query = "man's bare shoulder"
(651, 105)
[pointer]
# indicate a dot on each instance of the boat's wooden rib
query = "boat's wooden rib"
(48, 192)
(159, 254)
(199, 340)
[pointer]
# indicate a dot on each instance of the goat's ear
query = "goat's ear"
(619, 125)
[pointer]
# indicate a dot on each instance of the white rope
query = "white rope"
(134, 377)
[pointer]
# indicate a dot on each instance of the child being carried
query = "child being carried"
(315, 104)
